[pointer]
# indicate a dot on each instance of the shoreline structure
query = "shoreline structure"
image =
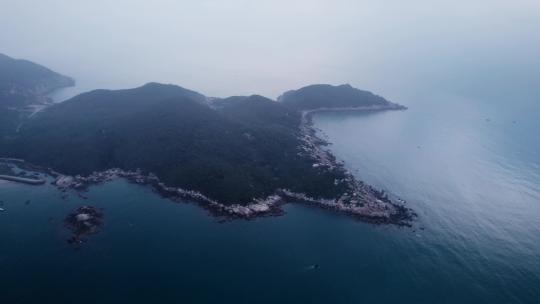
(363, 202)
(18, 179)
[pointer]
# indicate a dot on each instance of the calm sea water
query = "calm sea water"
(471, 172)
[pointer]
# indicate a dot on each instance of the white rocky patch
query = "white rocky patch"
(83, 217)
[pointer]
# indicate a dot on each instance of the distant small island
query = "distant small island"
(321, 97)
(240, 156)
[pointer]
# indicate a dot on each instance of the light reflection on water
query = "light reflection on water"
(476, 191)
(472, 182)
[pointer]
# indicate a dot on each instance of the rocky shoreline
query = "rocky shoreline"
(361, 200)
(366, 203)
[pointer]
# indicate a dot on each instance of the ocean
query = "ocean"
(469, 168)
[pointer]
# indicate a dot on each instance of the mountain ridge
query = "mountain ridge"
(241, 152)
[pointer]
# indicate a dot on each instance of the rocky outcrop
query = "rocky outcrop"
(361, 200)
(83, 222)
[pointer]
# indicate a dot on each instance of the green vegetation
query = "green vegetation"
(22, 81)
(9, 120)
(231, 150)
(328, 96)
(244, 148)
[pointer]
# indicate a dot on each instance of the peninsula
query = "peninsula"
(240, 156)
(24, 86)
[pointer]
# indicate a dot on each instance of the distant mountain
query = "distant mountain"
(324, 96)
(258, 110)
(245, 148)
(240, 154)
(23, 82)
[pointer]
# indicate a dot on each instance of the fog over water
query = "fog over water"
(465, 156)
(221, 48)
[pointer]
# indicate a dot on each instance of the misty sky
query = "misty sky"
(223, 48)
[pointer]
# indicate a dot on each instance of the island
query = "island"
(240, 157)
(83, 222)
(325, 97)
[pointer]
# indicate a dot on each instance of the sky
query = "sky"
(240, 47)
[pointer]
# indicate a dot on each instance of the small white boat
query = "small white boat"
(2, 209)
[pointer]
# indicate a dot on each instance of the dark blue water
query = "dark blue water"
(471, 172)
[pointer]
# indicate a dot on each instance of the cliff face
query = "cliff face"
(246, 148)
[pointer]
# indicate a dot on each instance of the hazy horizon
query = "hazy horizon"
(268, 47)
(331, 196)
